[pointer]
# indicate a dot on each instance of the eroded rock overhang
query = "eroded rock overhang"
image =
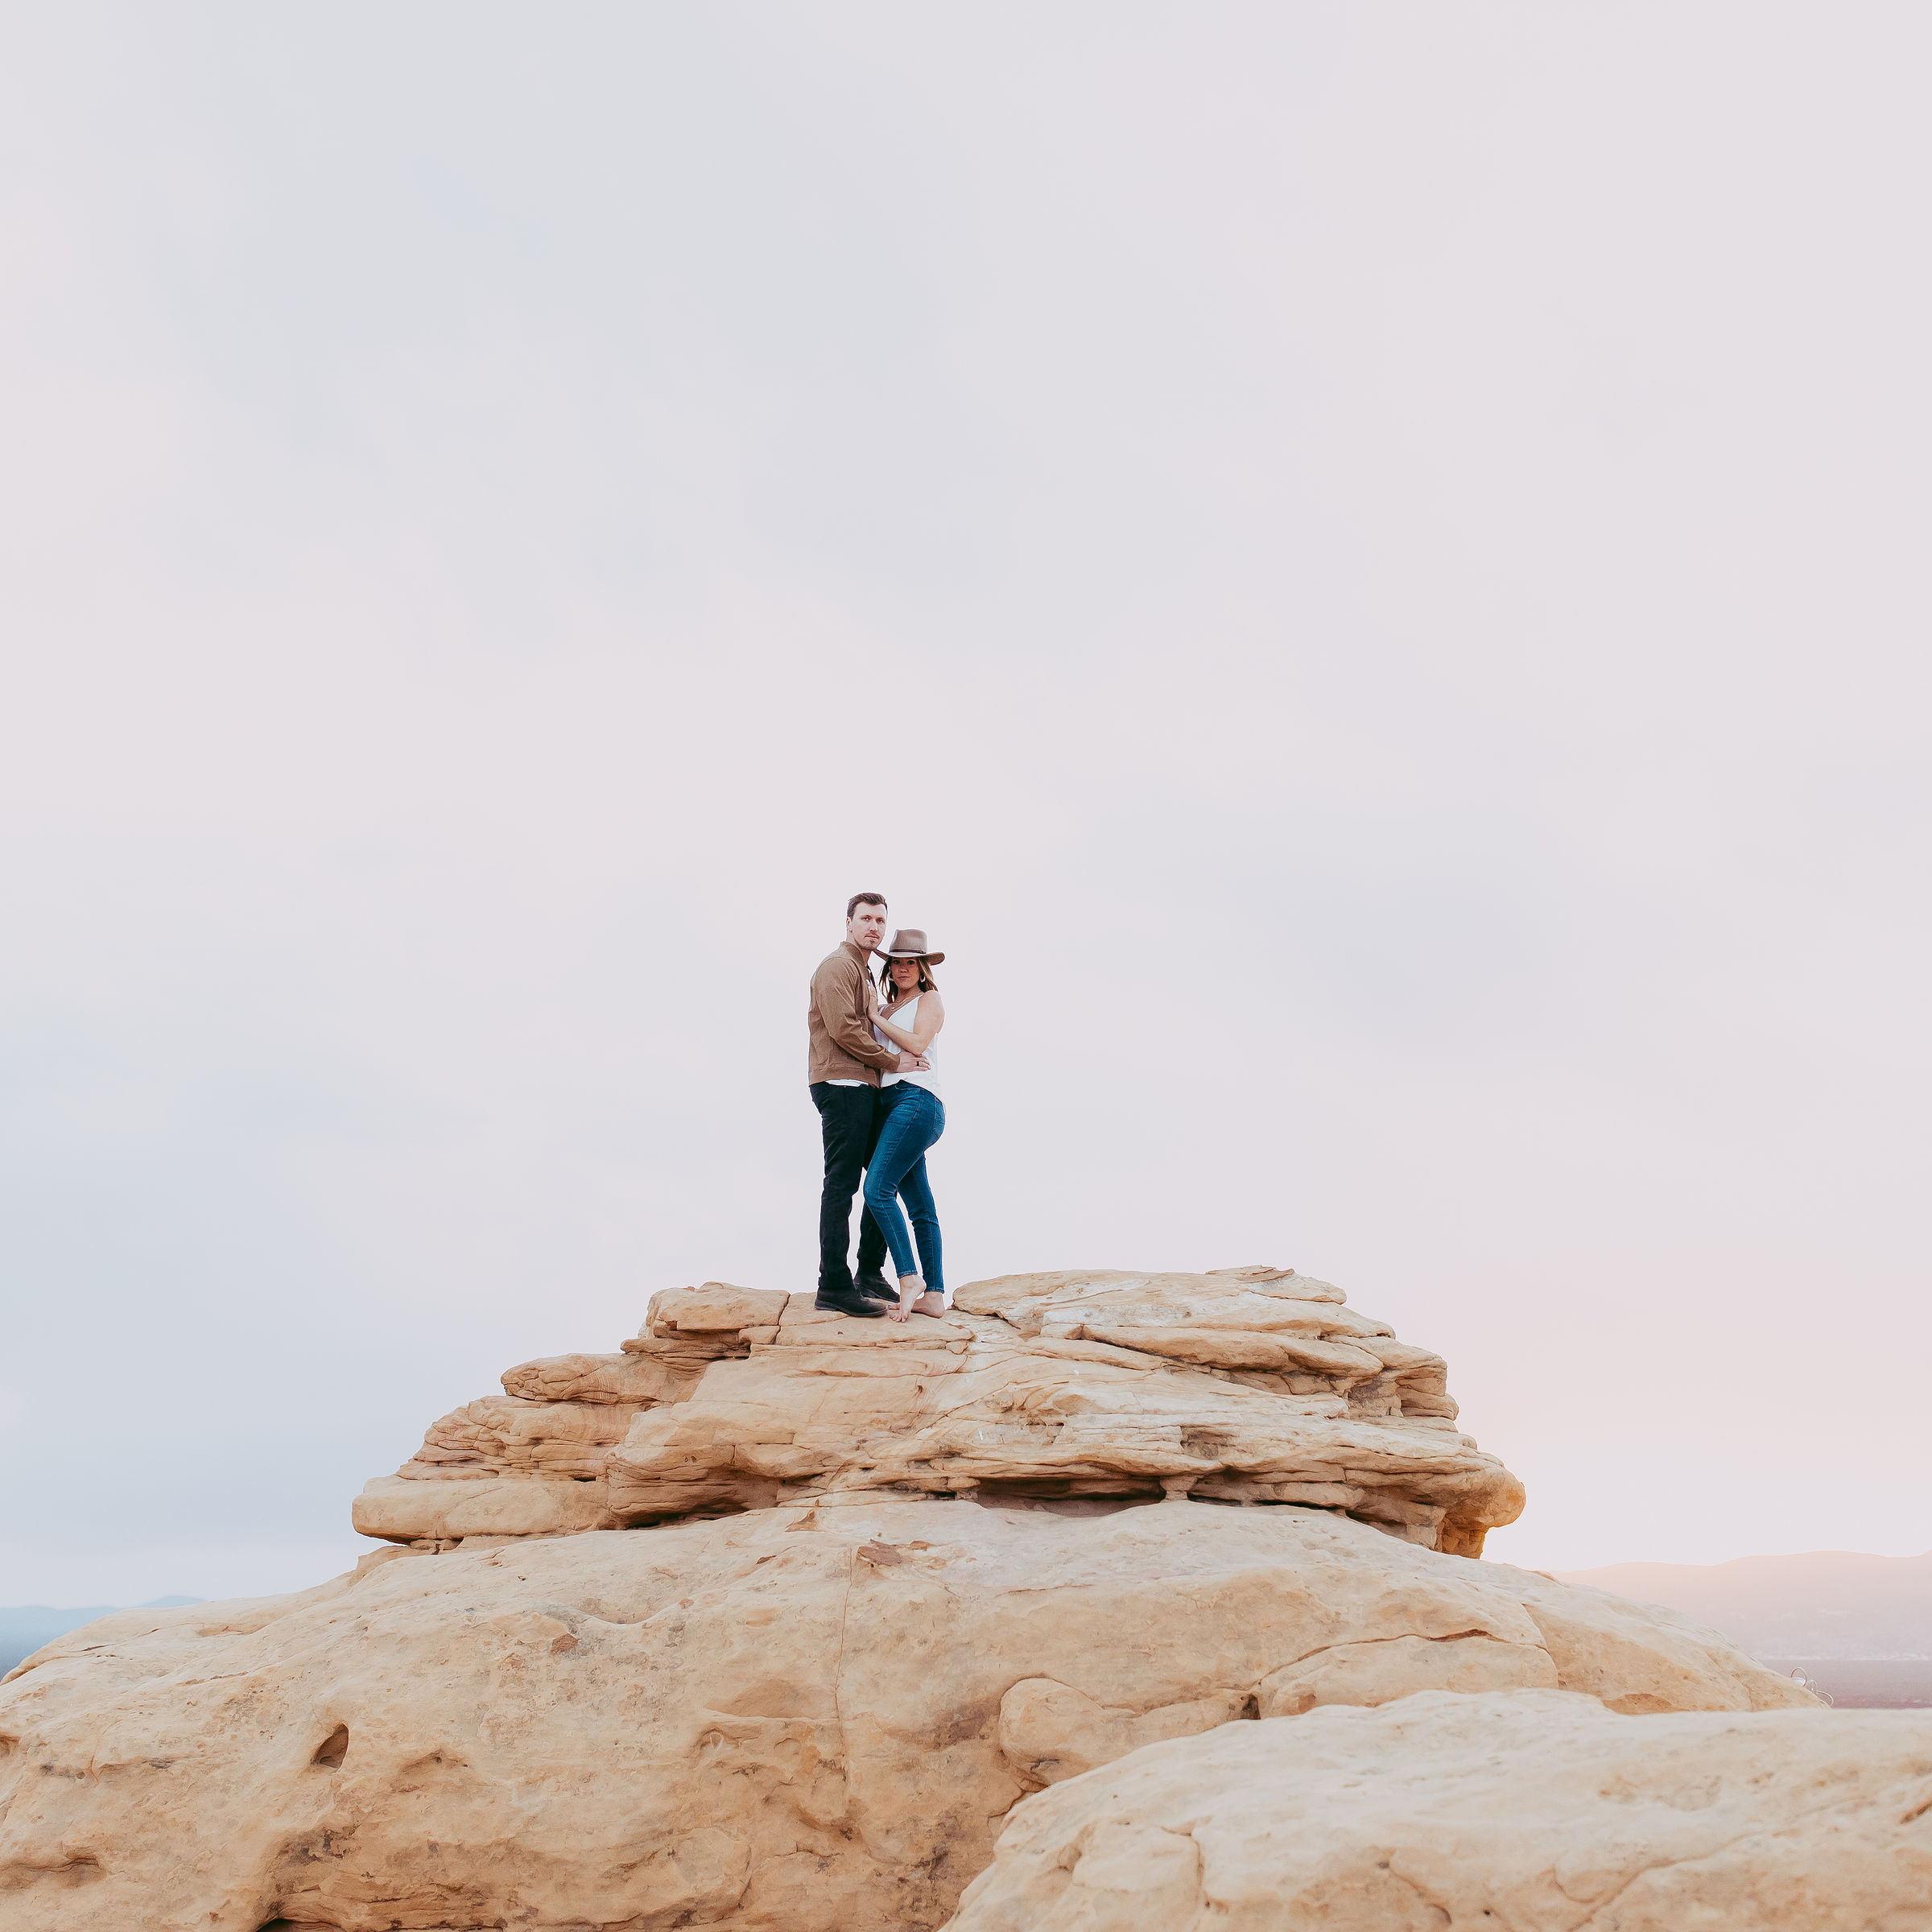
(1249, 1385)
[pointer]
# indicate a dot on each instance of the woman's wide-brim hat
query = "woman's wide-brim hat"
(909, 943)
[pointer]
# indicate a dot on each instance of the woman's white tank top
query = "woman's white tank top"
(903, 1019)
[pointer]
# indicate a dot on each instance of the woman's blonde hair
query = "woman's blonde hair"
(927, 982)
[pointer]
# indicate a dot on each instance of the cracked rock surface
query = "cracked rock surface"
(811, 1718)
(1251, 1384)
(1533, 1810)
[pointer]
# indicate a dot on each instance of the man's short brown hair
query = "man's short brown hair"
(863, 898)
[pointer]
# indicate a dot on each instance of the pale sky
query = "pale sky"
(1361, 570)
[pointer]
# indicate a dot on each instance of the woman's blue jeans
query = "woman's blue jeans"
(915, 1119)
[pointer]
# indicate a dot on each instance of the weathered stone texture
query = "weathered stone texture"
(1250, 1385)
(812, 1718)
(1531, 1810)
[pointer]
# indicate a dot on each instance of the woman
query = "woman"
(915, 1117)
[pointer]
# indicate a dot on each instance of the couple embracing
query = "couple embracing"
(879, 1108)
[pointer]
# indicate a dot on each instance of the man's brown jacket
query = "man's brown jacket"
(843, 1047)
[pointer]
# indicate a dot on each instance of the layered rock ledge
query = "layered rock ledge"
(1249, 1385)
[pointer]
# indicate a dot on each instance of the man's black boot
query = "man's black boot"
(847, 1301)
(876, 1287)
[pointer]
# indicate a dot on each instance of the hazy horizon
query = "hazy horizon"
(1359, 572)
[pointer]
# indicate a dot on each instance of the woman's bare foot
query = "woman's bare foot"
(930, 1302)
(911, 1288)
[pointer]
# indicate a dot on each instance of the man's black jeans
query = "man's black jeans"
(849, 1118)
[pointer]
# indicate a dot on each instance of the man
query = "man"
(846, 1059)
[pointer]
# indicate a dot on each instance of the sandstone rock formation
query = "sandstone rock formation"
(1253, 1385)
(1531, 1810)
(883, 1582)
(811, 1716)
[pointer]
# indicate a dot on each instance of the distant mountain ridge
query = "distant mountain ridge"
(25, 1627)
(1824, 1603)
